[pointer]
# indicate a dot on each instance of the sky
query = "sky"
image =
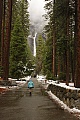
(36, 9)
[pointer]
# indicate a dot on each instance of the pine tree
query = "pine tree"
(39, 55)
(77, 83)
(6, 35)
(18, 50)
(61, 19)
(1, 13)
(51, 39)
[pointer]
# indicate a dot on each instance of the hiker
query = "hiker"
(30, 86)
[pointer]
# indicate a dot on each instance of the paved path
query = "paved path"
(18, 105)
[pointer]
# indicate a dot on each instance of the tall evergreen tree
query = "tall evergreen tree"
(62, 26)
(50, 43)
(6, 35)
(77, 83)
(39, 55)
(18, 50)
(19, 47)
(1, 14)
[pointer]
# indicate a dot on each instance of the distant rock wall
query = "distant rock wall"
(69, 96)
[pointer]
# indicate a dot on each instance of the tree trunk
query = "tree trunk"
(75, 44)
(1, 11)
(2, 37)
(67, 42)
(7, 40)
(54, 46)
(77, 84)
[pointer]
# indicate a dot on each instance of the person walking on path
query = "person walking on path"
(30, 86)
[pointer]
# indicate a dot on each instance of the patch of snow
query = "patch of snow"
(74, 111)
(71, 85)
(57, 100)
(27, 78)
(41, 78)
(2, 87)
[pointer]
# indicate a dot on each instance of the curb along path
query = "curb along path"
(60, 103)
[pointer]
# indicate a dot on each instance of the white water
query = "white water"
(35, 45)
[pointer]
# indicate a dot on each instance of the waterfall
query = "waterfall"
(35, 45)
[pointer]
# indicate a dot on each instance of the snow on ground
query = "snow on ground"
(15, 84)
(71, 85)
(73, 111)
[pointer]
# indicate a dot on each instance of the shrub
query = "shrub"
(62, 76)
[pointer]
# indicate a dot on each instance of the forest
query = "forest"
(58, 57)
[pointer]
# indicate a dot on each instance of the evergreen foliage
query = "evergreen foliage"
(19, 50)
(48, 56)
(39, 55)
(49, 41)
(61, 29)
